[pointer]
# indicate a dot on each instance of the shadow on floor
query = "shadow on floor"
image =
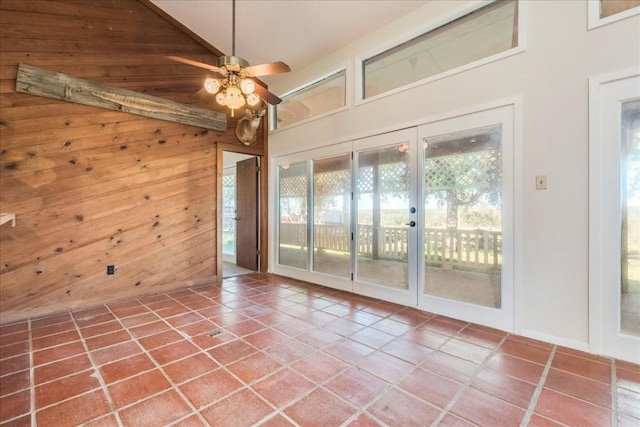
(232, 270)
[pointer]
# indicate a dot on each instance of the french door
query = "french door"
(467, 205)
(614, 215)
(421, 216)
(385, 220)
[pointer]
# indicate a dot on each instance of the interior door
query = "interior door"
(385, 216)
(247, 194)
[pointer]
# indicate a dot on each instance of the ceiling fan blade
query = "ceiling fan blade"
(267, 96)
(198, 64)
(267, 69)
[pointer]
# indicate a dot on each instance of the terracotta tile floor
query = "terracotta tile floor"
(271, 351)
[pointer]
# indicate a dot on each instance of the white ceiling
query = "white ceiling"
(294, 31)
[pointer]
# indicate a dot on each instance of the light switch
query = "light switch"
(541, 182)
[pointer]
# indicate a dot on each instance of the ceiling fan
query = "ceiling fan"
(237, 88)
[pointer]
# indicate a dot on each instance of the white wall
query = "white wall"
(550, 79)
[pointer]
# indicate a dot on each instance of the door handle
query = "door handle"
(236, 218)
(411, 224)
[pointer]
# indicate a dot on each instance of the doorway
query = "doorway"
(240, 214)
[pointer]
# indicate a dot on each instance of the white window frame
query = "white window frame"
(346, 106)
(465, 9)
(596, 21)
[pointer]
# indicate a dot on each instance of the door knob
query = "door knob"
(411, 224)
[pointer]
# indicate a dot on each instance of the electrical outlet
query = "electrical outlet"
(111, 269)
(541, 182)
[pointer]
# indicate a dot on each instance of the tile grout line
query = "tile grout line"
(51, 405)
(96, 370)
(277, 409)
(221, 366)
(395, 385)
(239, 288)
(538, 391)
(158, 366)
(318, 385)
(288, 365)
(391, 386)
(466, 385)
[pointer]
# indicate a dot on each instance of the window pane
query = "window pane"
(611, 7)
(331, 213)
(630, 250)
(292, 240)
(480, 34)
(229, 212)
(326, 95)
(463, 216)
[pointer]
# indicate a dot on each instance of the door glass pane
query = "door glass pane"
(630, 250)
(331, 215)
(229, 212)
(383, 214)
(463, 216)
(292, 239)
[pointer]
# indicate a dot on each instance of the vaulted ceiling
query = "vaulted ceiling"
(294, 31)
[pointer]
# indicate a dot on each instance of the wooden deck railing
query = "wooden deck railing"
(477, 249)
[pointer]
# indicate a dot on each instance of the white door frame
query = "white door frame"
(509, 317)
(503, 317)
(402, 296)
(606, 93)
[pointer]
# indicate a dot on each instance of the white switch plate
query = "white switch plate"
(541, 182)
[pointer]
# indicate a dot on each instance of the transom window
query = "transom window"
(480, 34)
(612, 7)
(316, 98)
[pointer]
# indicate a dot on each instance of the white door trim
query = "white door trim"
(606, 92)
(503, 317)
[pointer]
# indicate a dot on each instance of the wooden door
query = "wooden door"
(247, 213)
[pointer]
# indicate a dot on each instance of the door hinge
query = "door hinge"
(258, 252)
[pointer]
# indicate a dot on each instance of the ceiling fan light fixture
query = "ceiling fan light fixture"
(231, 97)
(253, 99)
(236, 88)
(247, 86)
(212, 85)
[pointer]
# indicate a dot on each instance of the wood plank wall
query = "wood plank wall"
(93, 187)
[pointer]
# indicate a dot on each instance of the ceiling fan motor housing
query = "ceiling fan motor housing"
(232, 63)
